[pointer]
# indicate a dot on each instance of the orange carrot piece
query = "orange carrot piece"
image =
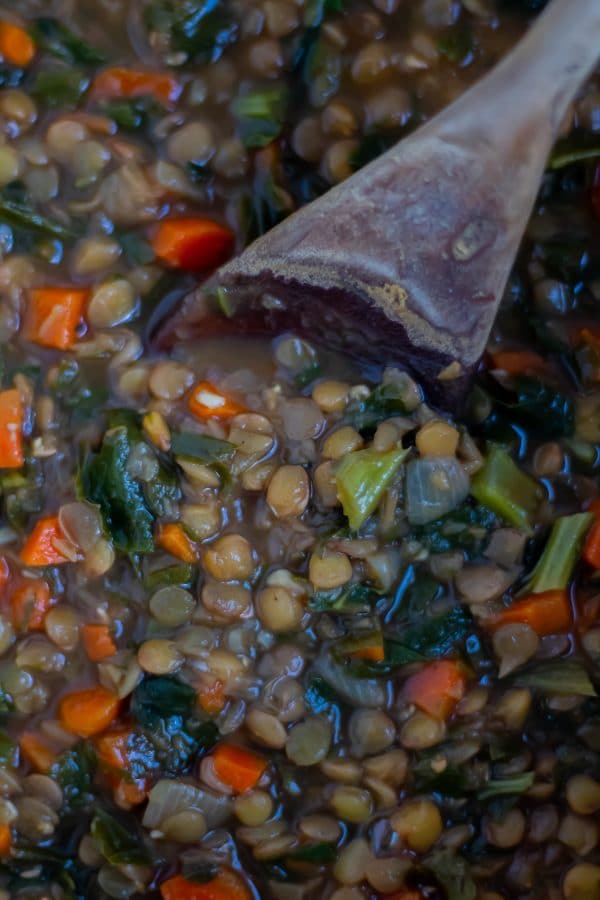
(172, 538)
(547, 613)
(53, 316)
(238, 768)
(371, 649)
(192, 244)
(40, 547)
(29, 604)
(98, 642)
(37, 752)
(208, 402)
(437, 688)
(119, 82)
(591, 548)
(88, 712)
(5, 840)
(16, 46)
(517, 362)
(113, 750)
(226, 886)
(11, 429)
(211, 697)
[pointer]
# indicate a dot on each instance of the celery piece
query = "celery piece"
(555, 566)
(362, 478)
(561, 676)
(506, 490)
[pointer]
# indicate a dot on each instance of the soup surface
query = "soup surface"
(270, 625)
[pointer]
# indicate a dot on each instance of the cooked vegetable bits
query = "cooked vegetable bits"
(272, 626)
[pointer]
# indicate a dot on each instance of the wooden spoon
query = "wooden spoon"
(407, 260)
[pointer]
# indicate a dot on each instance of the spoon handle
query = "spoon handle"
(531, 89)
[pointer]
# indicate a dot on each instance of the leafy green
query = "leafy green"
(512, 784)
(106, 481)
(319, 695)
(74, 773)
(163, 491)
(260, 115)
(8, 750)
(119, 845)
(163, 706)
(502, 487)
(456, 45)
(262, 208)
(466, 528)
(314, 853)
(201, 447)
(383, 401)
(136, 248)
(72, 389)
(59, 87)
(344, 599)
(55, 38)
(537, 406)
(448, 780)
(362, 478)
(433, 638)
(179, 573)
(11, 76)
(19, 214)
(453, 874)
(562, 676)
(201, 29)
(555, 566)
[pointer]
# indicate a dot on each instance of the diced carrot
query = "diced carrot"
(11, 429)
(371, 648)
(5, 840)
(88, 712)
(546, 613)
(98, 642)
(211, 697)
(42, 547)
(208, 402)
(238, 768)
(226, 886)
(16, 46)
(518, 362)
(172, 538)
(53, 316)
(192, 244)
(437, 687)
(591, 548)
(113, 750)
(121, 83)
(37, 752)
(30, 602)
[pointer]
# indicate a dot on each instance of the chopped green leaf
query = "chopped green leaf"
(456, 45)
(563, 676)
(136, 248)
(201, 447)
(201, 29)
(106, 481)
(8, 750)
(555, 566)
(536, 405)
(512, 784)
(314, 853)
(119, 845)
(319, 695)
(453, 873)
(504, 488)
(260, 116)
(362, 478)
(74, 773)
(466, 528)
(432, 638)
(179, 573)
(55, 38)
(344, 599)
(384, 401)
(21, 215)
(59, 87)
(159, 696)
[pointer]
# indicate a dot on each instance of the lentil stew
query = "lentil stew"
(271, 626)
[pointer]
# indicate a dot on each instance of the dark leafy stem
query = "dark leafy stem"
(21, 215)
(55, 38)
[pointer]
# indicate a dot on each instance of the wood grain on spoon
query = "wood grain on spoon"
(407, 260)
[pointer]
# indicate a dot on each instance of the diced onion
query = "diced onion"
(434, 487)
(168, 797)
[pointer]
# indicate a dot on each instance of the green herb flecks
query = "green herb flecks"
(201, 29)
(119, 844)
(260, 116)
(59, 87)
(55, 38)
